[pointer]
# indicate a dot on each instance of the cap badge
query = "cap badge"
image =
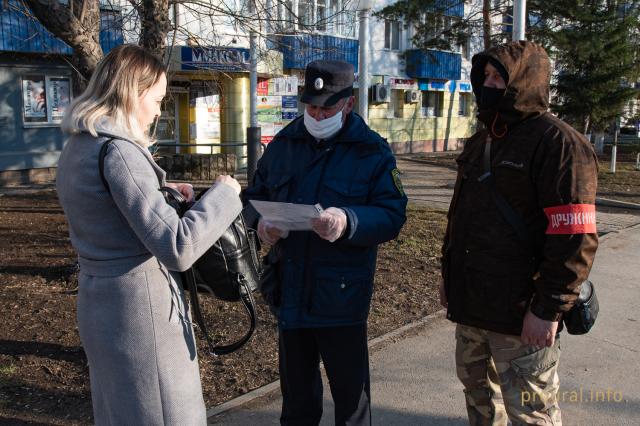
(318, 84)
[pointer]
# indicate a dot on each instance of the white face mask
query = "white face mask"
(323, 129)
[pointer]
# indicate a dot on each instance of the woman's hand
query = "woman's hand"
(228, 180)
(186, 189)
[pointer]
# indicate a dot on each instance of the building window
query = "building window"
(392, 35)
(326, 16)
(44, 99)
(432, 104)
(305, 13)
(321, 15)
(464, 105)
(465, 49)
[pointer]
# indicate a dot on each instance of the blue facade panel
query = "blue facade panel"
(20, 32)
(449, 8)
(433, 64)
(110, 30)
(299, 50)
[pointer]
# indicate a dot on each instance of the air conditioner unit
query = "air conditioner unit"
(411, 96)
(381, 93)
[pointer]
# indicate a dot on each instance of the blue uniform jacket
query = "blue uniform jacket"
(327, 284)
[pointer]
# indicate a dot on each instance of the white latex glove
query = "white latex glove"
(269, 233)
(331, 224)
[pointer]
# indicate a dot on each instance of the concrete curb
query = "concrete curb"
(612, 234)
(615, 203)
(275, 386)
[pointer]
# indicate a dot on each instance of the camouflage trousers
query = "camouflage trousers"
(506, 380)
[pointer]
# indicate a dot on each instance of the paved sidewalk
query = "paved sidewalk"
(427, 184)
(414, 383)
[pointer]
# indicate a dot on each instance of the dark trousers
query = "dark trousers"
(345, 356)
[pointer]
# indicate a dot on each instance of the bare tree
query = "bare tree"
(77, 24)
(486, 23)
(155, 24)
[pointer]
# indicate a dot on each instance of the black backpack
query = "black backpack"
(229, 270)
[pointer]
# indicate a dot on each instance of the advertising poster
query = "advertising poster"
(207, 116)
(59, 96)
(289, 108)
(263, 87)
(291, 86)
(34, 97)
(269, 109)
(278, 107)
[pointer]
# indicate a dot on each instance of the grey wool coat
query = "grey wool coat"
(132, 314)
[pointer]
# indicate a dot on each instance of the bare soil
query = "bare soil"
(44, 376)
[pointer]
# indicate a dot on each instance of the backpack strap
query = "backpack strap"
(247, 301)
(103, 153)
(101, 157)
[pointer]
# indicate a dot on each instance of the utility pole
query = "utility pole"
(253, 131)
(614, 148)
(363, 68)
(519, 19)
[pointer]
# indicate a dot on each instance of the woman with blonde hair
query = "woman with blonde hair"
(132, 314)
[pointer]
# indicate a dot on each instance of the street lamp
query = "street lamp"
(364, 9)
(253, 131)
(519, 19)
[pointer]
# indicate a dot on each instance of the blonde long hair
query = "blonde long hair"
(113, 93)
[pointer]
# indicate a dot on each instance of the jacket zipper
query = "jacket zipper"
(327, 156)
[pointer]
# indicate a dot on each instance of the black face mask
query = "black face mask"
(489, 97)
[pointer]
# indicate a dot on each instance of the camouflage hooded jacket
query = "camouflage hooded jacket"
(547, 172)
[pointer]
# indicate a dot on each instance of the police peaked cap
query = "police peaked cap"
(326, 82)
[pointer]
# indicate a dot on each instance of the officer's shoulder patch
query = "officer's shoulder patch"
(395, 175)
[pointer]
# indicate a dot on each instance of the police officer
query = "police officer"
(520, 240)
(324, 277)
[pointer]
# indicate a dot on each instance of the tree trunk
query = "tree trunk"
(486, 23)
(155, 26)
(78, 25)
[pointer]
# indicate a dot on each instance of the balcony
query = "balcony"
(448, 8)
(433, 64)
(20, 32)
(299, 50)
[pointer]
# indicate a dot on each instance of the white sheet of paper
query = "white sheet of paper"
(287, 216)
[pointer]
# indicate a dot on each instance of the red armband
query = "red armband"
(571, 219)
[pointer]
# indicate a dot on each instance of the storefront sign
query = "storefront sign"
(464, 86)
(215, 58)
(433, 86)
(403, 83)
(444, 85)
